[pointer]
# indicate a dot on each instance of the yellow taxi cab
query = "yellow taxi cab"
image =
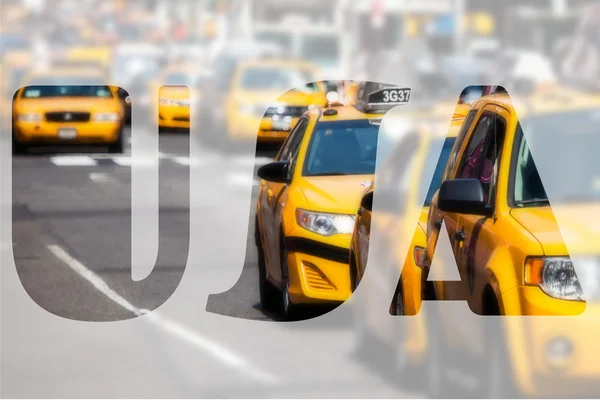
(511, 255)
(90, 56)
(419, 159)
(46, 111)
(308, 199)
(251, 104)
(173, 109)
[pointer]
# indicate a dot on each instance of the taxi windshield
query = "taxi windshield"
(35, 92)
(574, 168)
(342, 148)
(283, 79)
(435, 165)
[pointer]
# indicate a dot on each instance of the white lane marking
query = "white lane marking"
(100, 177)
(73, 161)
(174, 328)
(92, 278)
(126, 161)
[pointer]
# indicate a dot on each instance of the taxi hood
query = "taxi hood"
(84, 104)
(291, 97)
(337, 194)
(574, 231)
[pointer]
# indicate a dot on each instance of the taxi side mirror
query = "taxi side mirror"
(463, 196)
(275, 172)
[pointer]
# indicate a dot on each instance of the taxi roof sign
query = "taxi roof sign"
(386, 98)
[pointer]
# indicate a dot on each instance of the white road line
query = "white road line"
(100, 177)
(73, 161)
(173, 328)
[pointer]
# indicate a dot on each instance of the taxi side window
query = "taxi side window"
(462, 134)
(292, 145)
(481, 159)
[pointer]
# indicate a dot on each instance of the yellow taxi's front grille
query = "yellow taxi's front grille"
(316, 279)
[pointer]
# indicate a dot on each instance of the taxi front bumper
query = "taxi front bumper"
(244, 127)
(174, 117)
(56, 132)
(318, 272)
(552, 349)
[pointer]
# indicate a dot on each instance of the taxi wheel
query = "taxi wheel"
(117, 147)
(436, 381)
(397, 309)
(18, 148)
(287, 307)
(362, 336)
(268, 294)
(497, 381)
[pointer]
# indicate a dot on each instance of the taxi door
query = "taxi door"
(474, 237)
(273, 196)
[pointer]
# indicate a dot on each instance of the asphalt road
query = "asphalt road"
(71, 241)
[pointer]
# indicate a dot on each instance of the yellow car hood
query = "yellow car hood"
(337, 194)
(292, 97)
(83, 104)
(575, 229)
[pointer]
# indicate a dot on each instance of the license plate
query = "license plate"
(281, 125)
(67, 133)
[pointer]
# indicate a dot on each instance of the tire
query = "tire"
(288, 309)
(117, 147)
(497, 379)
(18, 148)
(397, 309)
(361, 334)
(436, 380)
(268, 294)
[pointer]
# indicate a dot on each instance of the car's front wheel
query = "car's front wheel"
(288, 308)
(268, 294)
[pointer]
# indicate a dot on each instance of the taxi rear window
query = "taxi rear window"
(282, 79)
(342, 148)
(42, 91)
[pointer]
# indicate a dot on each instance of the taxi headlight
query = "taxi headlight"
(554, 275)
(29, 117)
(325, 224)
(105, 117)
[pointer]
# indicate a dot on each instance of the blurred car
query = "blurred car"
(174, 96)
(91, 56)
(15, 65)
(509, 250)
(46, 111)
(410, 175)
(224, 61)
(322, 45)
(251, 105)
(308, 199)
(133, 67)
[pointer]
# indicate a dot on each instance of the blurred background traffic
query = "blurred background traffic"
(223, 83)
